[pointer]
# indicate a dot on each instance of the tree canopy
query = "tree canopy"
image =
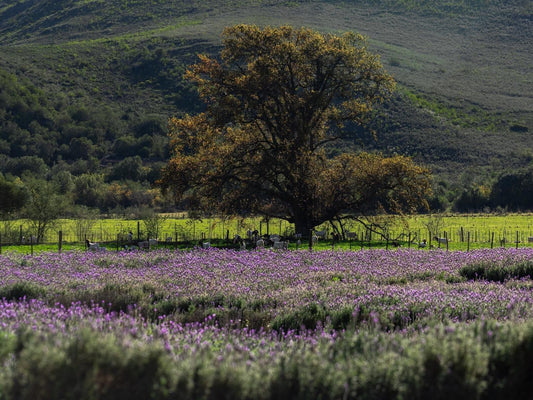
(276, 98)
(12, 196)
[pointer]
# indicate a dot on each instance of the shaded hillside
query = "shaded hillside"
(90, 83)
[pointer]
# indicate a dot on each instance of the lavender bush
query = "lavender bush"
(264, 325)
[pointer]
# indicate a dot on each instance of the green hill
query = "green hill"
(87, 86)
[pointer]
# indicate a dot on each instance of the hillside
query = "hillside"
(89, 84)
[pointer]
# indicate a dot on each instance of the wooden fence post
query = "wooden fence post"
(0, 244)
(468, 242)
(492, 240)
(31, 244)
(60, 241)
(517, 239)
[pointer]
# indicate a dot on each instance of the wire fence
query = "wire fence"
(173, 231)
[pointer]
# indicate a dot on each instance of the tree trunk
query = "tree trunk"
(303, 224)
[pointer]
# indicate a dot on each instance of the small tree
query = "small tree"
(153, 222)
(434, 224)
(44, 206)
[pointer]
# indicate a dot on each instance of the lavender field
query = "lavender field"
(212, 324)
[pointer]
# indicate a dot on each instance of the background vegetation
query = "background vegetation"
(87, 87)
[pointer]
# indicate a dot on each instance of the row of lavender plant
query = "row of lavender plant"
(276, 289)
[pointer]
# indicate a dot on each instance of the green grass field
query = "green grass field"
(464, 232)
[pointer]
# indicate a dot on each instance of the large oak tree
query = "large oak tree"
(276, 98)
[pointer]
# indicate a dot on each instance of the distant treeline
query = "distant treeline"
(512, 191)
(95, 157)
(36, 133)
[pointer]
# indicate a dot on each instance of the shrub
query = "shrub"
(497, 272)
(20, 290)
(87, 366)
(510, 373)
(112, 297)
(305, 318)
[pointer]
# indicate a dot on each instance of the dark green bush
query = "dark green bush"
(164, 307)
(306, 318)
(87, 366)
(497, 272)
(342, 318)
(21, 290)
(112, 297)
(510, 372)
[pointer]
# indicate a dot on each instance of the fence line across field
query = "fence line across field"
(120, 242)
(190, 232)
(182, 230)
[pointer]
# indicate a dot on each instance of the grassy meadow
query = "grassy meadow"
(464, 232)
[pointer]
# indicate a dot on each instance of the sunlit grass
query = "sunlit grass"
(463, 231)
